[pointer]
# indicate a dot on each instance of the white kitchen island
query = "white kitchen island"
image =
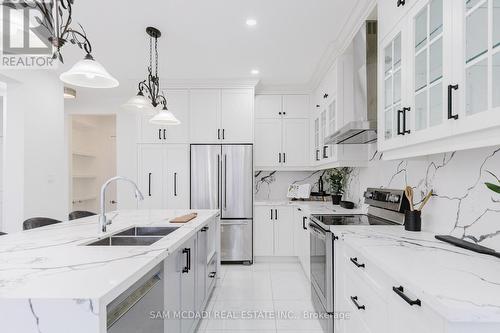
(51, 282)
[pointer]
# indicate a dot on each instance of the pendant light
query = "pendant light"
(89, 73)
(56, 19)
(150, 87)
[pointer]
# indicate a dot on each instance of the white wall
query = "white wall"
(36, 169)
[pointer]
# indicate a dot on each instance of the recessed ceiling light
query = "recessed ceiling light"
(251, 22)
(255, 71)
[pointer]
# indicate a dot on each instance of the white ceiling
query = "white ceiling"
(208, 39)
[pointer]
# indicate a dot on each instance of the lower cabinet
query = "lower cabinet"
(273, 231)
(301, 240)
(377, 303)
(190, 277)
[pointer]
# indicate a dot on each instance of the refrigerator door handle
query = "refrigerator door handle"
(218, 180)
(225, 182)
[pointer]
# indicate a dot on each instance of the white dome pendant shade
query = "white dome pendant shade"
(89, 73)
(164, 118)
(138, 103)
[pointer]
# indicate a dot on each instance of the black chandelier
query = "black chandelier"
(56, 21)
(152, 84)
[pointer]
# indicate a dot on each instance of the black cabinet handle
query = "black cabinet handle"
(164, 134)
(280, 113)
(159, 134)
(317, 154)
(223, 134)
(325, 96)
(204, 229)
(218, 134)
(149, 184)
(355, 262)
(325, 155)
(275, 214)
(317, 105)
(284, 157)
(401, 293)
(271, 214)
(400, 113)
(405, 131)
(299, 209)
(450, 101)
(175, 184)
(212, 275)
(401, 3)
(187, 268)
(284, 113)
(279, 157)
(304, 218)
(354, 299)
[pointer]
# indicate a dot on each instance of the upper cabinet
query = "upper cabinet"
(282, 132)
(221, 115)
(178, 103)
(437, 78)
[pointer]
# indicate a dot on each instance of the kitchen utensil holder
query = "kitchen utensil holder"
(413, 220)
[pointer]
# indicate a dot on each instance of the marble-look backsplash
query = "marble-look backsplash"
(461, 204)
(273, 185)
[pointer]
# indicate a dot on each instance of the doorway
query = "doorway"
(92, 161)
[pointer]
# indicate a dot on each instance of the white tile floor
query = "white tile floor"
(258, 290)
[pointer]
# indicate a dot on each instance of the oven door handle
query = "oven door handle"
(317, 232)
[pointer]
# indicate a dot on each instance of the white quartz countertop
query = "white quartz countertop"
(51, 263)
(460, 285)
(313, 207)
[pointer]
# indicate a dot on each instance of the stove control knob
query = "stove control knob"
(394, 198)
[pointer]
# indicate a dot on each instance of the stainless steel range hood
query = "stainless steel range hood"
(363, 128)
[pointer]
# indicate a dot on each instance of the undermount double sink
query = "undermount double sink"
(135, 236)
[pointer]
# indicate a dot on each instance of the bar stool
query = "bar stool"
(38, 222)
(79, 214)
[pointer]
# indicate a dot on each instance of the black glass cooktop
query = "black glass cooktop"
(328, 220)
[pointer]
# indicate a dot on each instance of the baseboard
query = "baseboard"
(273, 259)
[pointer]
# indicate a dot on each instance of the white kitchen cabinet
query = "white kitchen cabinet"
(163, 176)
(273, 227)
(296, 106)
(282, 106)
(204, 111)
(178, 103)
(237, 115)
(301, 240)
(221, 115)
(391, 13)
(450, 73)
(283, 232)
(268, 141)
(281, 139)
(263, 239)
(268, 106)
(295, 138)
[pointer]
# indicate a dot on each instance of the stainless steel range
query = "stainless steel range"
(386, 208)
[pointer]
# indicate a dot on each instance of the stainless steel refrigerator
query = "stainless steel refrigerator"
(222, 178)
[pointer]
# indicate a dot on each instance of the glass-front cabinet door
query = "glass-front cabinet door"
(431, 70)
(392, 83)
(479, 65)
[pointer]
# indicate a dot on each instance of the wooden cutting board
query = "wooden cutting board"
(184, 218)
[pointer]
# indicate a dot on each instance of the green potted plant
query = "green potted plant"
(337, 179)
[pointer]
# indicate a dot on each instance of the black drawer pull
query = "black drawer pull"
(325, 154)
(204, 229)
(159, 134)
(401, 3)
(401, 293)
(187, 252)
(405, 131)
(304, 218)
(355, 262)
(212, 275)
(354, 299)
